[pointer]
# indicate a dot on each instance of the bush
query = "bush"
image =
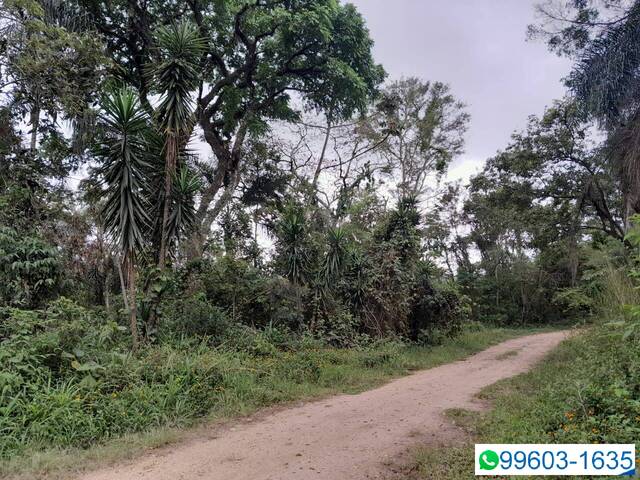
(265, 342)
(341, 330)
(440, 310)
(194, 315)
(30, 270)
(284, 303)
(238, 289)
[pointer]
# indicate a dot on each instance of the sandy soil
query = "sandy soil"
(343, 437)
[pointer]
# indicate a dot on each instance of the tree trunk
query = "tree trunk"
(171, 159)
(107, 285)
(133, 320)
(626, 147)
(199, 236)
(123, 287)
(316, 175)
(169, 172)
(229, 166)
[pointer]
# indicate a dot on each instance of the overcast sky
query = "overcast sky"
(479, 47)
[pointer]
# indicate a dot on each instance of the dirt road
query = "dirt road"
(343, 437)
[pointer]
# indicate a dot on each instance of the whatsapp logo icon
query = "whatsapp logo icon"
(489, 460)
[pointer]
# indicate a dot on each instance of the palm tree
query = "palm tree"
(175, 76)
(125, 171)
(606, 82)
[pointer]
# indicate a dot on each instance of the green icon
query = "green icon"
(489, 460)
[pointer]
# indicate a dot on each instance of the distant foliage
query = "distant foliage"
(30, 269)
(440, 310)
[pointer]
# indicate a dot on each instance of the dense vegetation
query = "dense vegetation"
(574, 168)
(211, 205)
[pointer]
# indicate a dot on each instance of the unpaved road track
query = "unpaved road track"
(343, 437)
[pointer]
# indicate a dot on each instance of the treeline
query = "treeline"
(313, 159)
(234, 142)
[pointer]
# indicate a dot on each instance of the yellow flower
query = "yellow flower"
(595, 430)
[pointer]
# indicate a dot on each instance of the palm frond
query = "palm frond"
(177, 74)
(606, 77)
(125, 169)
(183, 213)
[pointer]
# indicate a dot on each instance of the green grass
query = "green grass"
(244, 384)
(586, 391)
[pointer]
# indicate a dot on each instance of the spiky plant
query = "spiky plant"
(336, 254)
(292, 243)
(185, 186)
(175, 76)
(124, 172)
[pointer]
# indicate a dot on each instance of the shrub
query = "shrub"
(232, 285)
(439, 312)
(30, 269)
(284, 303)
(68, 379)
(341, 330)
(194, 315)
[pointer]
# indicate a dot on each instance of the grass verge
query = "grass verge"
(249, 383)
(586, 391)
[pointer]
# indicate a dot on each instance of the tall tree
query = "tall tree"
(427, 126)
(563, 169)
(51, 64)
(175, 75)
(604, 40)
(125, 168)
(331, 160)
(446, 235)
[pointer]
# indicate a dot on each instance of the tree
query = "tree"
(125, 175)
(258, 54)
(446, 236)
(604, 42)
(556, 165)
(330, 160)
(395, 252)
(175, 75)
(530, 211)
(426, 125)
(51, 63)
